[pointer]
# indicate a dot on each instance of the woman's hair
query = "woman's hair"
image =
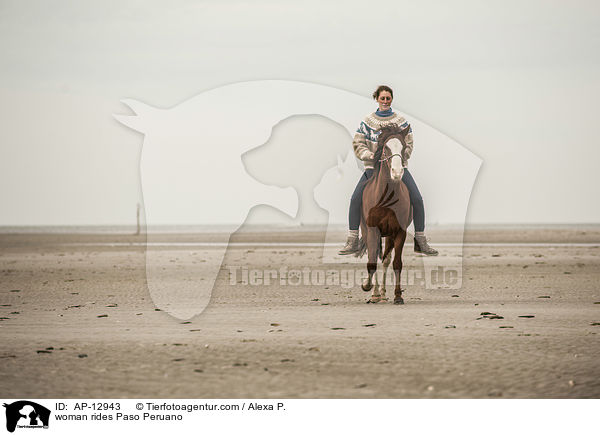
(380, 89)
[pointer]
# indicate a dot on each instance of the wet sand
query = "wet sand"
(78, 322)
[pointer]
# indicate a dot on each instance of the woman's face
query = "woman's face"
(385, 100)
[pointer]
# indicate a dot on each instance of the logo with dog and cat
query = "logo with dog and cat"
(25, 414)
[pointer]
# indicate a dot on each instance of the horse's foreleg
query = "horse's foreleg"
(375, 296)
(386, 263)
(398, 245)
(372, 249)
(367, 285)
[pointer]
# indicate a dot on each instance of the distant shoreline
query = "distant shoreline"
(439, 234)
(278, 228)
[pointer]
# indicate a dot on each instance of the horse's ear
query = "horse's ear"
(340, 163)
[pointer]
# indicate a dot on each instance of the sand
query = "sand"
(78, 322)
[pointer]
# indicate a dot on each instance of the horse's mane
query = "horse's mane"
(386, 133)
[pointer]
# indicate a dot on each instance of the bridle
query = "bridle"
(390, 135)
(385, 159)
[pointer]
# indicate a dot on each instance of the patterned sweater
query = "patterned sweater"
(365, 139)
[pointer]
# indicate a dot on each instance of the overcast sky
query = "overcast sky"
(515, 82)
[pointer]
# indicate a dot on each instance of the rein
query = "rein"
(387, 158)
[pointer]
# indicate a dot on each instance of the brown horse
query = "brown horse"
(386, 211)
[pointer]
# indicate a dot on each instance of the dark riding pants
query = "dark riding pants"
(415, 200)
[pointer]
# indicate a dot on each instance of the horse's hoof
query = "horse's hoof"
(398, 301)
(375, 300)
(367, 288)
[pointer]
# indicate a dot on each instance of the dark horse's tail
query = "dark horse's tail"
(362, 248)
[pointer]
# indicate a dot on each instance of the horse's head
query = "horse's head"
(391, 144)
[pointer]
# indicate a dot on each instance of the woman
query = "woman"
(365, 144)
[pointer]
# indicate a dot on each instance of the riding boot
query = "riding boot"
(351, 246)
(422, 247)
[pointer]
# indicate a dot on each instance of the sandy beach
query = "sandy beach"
(78, 321)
